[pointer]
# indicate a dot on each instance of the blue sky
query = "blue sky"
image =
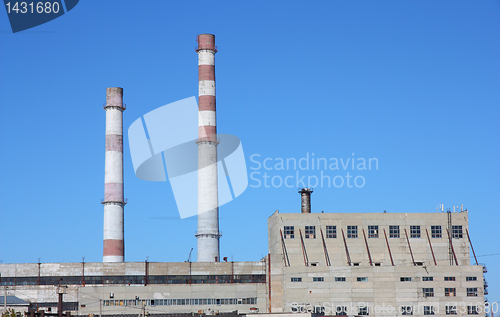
(414, 84)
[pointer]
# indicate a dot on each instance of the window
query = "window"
(331, 232)
(436, 232)
(472, 310)
(372, 231)
(405, 279)
(428, 292)
(289, 232)
(377, 264)
(428, 310)
(456, 232)
(296, 279)
(318, 279)
(449, 278)
(310, 232)
(180, 302)
(363, 311)
(352, 231)
(427, 278)
(471, 291)
(450, 292)
(414, 231)
(362, 279)
(341, 311)
(393, 231)
(136, 279)
(451, 310)
(471, 278)
(355, 264)
(406, 310)
(339, 279)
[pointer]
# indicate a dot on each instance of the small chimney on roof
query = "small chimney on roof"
(305, 195)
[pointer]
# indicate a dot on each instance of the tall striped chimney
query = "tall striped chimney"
(113, 249)
(208, 201)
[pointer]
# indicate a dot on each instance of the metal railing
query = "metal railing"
(197, 48)
(122, 106)
(113, 201)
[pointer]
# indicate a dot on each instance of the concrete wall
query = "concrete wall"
(131, 268)
(89, 296)
(382, 285)
(377, 246)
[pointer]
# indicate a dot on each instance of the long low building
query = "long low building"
(123, 288)
(376, 264)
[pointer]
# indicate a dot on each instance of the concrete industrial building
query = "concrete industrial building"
(331, 263)
(328, 262)
(418, 260)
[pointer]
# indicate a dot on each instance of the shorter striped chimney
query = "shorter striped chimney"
(113, 248)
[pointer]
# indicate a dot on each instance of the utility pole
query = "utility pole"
(60, 305)
(5, 299)
(60, 290)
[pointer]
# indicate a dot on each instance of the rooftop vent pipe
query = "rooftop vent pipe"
(305, 195)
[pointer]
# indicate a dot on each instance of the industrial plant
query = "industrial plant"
(343, 264)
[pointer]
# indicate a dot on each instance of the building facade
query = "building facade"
(132, 287)
(359, 263)
(376, 264)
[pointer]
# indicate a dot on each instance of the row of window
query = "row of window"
(373, 232)
(431, 278)
(163, 279)
(429, 292)
(471, 291)
(322, 279)
(179, 302)
(133, 279)
(48, 305)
